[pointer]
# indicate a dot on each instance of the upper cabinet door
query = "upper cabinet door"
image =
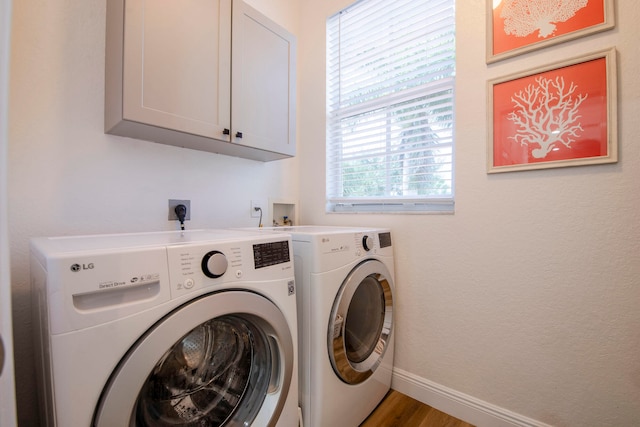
(263, 104)
(178, 72)
(168, 67)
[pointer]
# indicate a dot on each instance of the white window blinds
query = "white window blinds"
(390, 112)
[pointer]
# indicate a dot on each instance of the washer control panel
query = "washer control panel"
(202, 265)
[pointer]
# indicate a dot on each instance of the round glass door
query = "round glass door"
(361, 322)
(225, 359)
(216, 374)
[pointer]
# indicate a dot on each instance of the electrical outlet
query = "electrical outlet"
(256, 205)
(172, 209)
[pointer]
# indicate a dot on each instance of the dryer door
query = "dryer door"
(225, 359)
(361, 322)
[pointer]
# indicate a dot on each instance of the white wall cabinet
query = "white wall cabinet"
(211, 75)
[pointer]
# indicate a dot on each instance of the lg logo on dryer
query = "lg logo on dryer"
(78, 267)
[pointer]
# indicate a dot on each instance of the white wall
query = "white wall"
(67, 177)
(527, 297)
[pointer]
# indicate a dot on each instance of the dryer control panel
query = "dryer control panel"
(369, 240)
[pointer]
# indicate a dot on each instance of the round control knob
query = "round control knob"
(367, 243)
(214, 264)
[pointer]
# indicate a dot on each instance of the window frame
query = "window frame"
(336, 200)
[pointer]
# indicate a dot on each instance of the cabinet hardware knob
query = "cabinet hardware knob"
(226, 132)
(238, 134)
(1, 354)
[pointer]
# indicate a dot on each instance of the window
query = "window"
(390, 112)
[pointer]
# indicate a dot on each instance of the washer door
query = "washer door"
(225, 359)
(361, 322)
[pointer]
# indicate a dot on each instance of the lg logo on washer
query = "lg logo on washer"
(77, 267)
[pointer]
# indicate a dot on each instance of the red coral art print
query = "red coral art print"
(555, 116)
(521, 25)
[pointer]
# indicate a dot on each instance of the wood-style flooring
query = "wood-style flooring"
(399, 410)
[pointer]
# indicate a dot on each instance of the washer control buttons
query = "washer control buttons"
(214, 264)
(188, 284)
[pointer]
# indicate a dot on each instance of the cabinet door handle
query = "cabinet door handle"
(226, 132)
(1, 355)
(238, 134)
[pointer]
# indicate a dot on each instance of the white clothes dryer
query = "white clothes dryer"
(345, 279)
(193, 328)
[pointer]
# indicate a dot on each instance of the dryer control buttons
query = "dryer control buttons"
(214, 264)
(367, 242)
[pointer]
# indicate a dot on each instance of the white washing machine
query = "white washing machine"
(194, 328)
(345, 279)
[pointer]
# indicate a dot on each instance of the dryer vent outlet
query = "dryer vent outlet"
(172, 209)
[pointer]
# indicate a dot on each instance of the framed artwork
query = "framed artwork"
(560, 115)
(519, 26)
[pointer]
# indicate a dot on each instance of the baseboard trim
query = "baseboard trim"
(460, 405)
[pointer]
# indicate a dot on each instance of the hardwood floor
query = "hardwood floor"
(399, 410)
